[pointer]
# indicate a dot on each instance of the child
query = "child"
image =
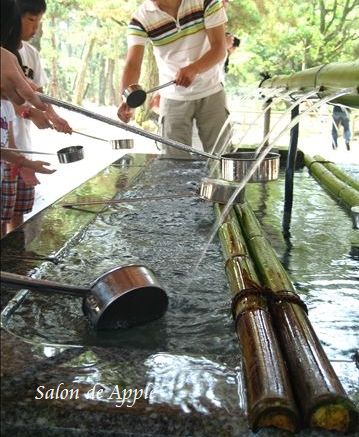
(18, 194)
(20, 164)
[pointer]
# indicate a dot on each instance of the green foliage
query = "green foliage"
(293, 35)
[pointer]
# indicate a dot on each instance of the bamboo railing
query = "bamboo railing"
(321, 398)
(270, 397)
(341, 190)
(289, 380)
(337, 172)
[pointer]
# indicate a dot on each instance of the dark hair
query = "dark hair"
(34, 7)
(10, 25)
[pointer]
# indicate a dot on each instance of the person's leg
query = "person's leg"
(211, 116)
(25, 197)
(176, 123)
(347, 133)
(335, 127)
(8, 195)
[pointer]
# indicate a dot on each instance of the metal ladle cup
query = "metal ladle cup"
(116, 144)
(121, 298)
(65, 155)
(135, 95)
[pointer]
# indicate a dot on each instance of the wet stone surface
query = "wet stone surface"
(188, 360)
(187, 364)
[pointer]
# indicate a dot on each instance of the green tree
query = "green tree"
(289, 36)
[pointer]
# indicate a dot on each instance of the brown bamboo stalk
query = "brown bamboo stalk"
(321, 396)
(270, 400)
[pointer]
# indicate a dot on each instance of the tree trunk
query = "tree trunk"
(113, 98)
(102, 82)
(54, 89)
(81, 83)
(149, 80)
(36, 40)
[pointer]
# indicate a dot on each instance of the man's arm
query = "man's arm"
(132, 70)
(217, 52)
(131, 75)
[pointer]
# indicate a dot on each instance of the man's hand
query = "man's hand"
(125, 113)
(185, 76)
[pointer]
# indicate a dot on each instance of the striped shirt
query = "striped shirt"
(178, 42)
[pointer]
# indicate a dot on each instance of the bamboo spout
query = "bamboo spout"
(326, 78)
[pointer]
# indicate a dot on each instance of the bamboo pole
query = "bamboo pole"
(322, 399)
(270, 400)
(339, 189)
(325, 78)
(340, 174)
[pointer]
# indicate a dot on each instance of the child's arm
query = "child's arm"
(59, 123)
(27, 167)
(21, 161)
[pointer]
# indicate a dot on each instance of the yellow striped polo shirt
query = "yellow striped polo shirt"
(178, 42)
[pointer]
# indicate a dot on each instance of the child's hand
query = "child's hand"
(28, 176)
(40, 119)
(60, 124)
(39, 167)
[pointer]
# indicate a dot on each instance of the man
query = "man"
(340, 117)
(189, 46)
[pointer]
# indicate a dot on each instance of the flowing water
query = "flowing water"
(191, 356)
(260, 154)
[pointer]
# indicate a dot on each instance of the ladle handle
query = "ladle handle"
(89, 136)
(158, 87)
(124, 200)
(29, 151)
(43, 286)
(172, 143)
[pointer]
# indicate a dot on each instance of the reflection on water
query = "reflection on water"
(193, 383)
(191, 355)
(318, 258)
(169, 243)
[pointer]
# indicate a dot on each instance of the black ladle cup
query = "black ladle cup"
(135, 95)
(121, 298)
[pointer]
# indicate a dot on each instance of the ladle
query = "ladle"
(89, 136)
(135, 95)
(121, 298)
(172, 143)
(117, 144)
(65, 155)
(125, 200)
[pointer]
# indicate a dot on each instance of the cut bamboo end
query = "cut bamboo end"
(270, 416)
(339, 415)
(269, 393)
